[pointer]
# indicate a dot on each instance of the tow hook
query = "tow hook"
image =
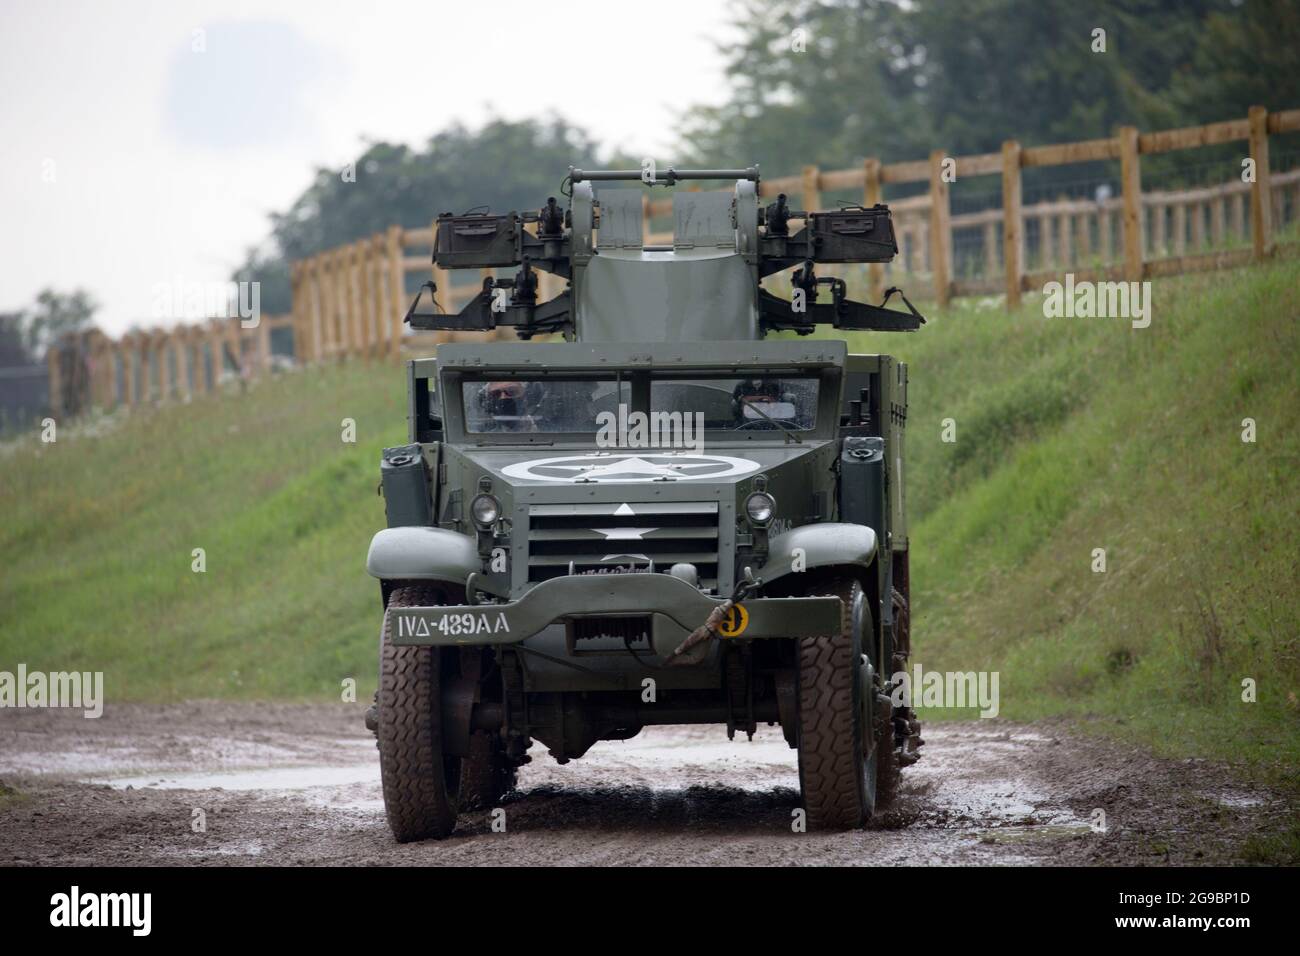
(693, 649)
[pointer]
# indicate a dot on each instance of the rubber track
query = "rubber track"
(410, 737)
(828, 773)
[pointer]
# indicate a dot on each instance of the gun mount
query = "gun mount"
(705, 286)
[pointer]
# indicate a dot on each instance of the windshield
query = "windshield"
(753, 402)
(541, 405)
(786, 402)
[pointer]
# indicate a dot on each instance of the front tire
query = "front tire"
(837, 752)
(421, 786)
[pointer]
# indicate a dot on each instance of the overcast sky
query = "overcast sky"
(136, 152)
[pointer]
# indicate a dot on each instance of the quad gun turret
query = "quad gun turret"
(705, 286)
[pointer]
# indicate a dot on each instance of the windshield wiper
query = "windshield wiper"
(786, 430)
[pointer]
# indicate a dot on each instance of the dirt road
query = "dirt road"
(280, 784)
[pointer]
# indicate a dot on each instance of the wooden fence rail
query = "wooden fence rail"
(88, 369)
(350, 301)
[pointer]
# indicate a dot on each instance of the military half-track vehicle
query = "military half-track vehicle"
(660, 516)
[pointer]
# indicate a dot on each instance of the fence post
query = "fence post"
(812, 200)
(1131, 180)
(162, 343)
(55, 380)
(93, 341)
(309, 338)
(940, 229)
(217, 354)
(871, 197)
(316, 291)
(263, 333)
(338, 302)
(356, 313)
(369, 314)
(297, 311)
(355, 299)
(126, 347)
(181, 346)
(324, 270)
(1261, 198)
(397, 291)
(381, 291)
(113, 355)
(1012, 223)
(1065, 237)
(149, 359)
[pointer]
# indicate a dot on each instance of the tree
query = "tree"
(1246, 55)
(54, 315)
(815, 82)
(504, 165)
(896, 80)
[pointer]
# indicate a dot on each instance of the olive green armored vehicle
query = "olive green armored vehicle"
(660, 515)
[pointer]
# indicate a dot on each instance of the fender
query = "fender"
(415, 553)
(823, 545)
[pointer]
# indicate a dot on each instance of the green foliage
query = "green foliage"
(853, 90)
(27, 333)
(895, 81)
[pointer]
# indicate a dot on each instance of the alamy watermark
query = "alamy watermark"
(1101, 300)
(83, 690)
(634, 429)
(958, 689)
(75, 908)
(179, 299)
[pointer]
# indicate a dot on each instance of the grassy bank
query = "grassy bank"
(1078, 434)
(99, 533)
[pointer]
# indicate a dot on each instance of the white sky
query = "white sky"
(165, 161)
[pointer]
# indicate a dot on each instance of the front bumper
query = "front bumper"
(610, 595)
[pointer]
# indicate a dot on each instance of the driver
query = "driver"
(761, 393)
(505, 406)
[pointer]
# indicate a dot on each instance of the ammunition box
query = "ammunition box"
(477, 241)
(854, 235)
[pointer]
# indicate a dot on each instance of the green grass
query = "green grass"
(1072, 434)
(98, 535)
(1075, 434)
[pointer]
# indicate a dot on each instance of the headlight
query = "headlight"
(760, 506)
(485, 510)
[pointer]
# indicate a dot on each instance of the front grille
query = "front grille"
(595, 537)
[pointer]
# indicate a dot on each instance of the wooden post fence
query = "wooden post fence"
(1261, 206)
(1013, 223)
(350, 301)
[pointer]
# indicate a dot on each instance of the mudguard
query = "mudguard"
(818, 546)
(422, 554)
